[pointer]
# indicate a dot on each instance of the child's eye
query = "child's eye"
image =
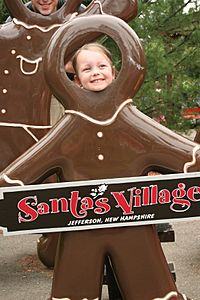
(86, 69)
(102, 66)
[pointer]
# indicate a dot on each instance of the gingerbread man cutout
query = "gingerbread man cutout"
(104, 136)
(25, 105)
(24, 94)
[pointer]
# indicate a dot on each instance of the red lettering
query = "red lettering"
(145, 195)
(164, 196)
(43, 208)
(74, 204)
(137, 198)
(154, 194)
(177, 194)
(56, 203)
(192, 191)
(86, 203)
(24, 205)
(122, 202)
(102, 206)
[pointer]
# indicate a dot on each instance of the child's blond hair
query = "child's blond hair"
(92, 46)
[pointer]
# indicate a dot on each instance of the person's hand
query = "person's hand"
(69, 68)
(153, 173)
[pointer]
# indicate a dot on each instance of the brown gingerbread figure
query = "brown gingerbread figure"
(24, 94)
(130, 144)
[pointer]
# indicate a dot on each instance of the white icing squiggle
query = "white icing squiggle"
(25, 125)
(8, 180)
(193, 162)
(36, 62)
(26, 128)
(171, 294)
(53, 298)
(100, 6)
(43, 29)
(168, 296)
(101, 123)
(60, 298)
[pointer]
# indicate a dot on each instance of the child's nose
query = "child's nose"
(95, 71)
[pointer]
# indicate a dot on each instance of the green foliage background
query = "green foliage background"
(3, 11)
(171, 40)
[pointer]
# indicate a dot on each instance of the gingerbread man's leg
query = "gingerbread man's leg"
(46, 248)
(79, 259)
(139, 264)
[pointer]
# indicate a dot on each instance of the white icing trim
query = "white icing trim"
(25, 127)
(60, 298)
(72, 16)
(53, 298)
(31, 134)
(36, 61)
(100, 6)
(43, 29)
(168, 296)
(101, 123)
(193, 162)
(8, 180)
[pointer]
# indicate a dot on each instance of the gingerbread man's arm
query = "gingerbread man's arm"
(40, 161)
(124, 9)
(19, 11)
(165, 150)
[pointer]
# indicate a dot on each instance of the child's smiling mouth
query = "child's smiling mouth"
(97, 80)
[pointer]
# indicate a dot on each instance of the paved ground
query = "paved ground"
(23, 277)
(185, 253)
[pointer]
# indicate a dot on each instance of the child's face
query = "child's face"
(94, 70)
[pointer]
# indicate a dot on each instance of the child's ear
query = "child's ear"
(77, 81)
